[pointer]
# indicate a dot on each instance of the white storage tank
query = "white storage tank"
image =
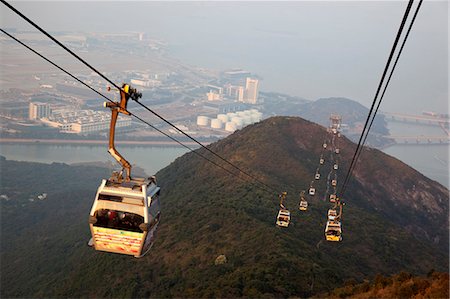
(216, 123)
(230, 126)
(241, 113)
(223, 117)
(231, 115)
(202, 120)
(247, 120)
(237, 121)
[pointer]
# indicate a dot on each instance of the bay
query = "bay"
(151, 159)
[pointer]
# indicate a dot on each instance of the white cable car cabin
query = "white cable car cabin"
(126, 211)
(333, 231)
(334, 183)
(332, 198)
(335, 166)
(317, 176)
(324, 145)
(312, 191)
(337, 151)
(303, 205)
(321, 161)
(125, 216)
(283, 218)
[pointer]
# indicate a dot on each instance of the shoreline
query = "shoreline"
(97, 142)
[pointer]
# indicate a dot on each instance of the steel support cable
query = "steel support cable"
(206, 148)
(131, 114)
(119, 88)
(389, 79)
(394, 46)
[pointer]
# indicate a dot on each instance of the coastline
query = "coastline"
(97, 142)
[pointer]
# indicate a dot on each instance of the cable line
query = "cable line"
(390, 75)
(142, 105)
(131, 114)
(394, 46)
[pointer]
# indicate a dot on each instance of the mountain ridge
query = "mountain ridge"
(207, 213)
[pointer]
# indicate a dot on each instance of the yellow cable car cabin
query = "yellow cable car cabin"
(333, 231)
(125, 216)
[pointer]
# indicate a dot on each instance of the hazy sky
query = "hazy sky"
(310, 49)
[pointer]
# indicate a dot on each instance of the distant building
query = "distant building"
(84, 121)
(39, 110)
(235, 92)
(145, 83)
(212, 96)
(224, 106)
(251, 91)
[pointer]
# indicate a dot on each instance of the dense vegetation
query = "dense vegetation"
(402, 285)
(389, 226)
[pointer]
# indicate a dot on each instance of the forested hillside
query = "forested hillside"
(394, 220)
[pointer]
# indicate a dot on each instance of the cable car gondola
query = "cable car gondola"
(303, 206)
(335, 167)
(312, 191)
(333, 231)
(332, 198)
(126, 212)
(334, 183)
(284, 216)
(317, 176)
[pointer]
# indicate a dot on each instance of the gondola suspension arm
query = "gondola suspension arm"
(126, 92)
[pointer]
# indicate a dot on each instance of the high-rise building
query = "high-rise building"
(39, 110)
(251, 91)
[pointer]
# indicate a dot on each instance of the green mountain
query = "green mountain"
(394, 219)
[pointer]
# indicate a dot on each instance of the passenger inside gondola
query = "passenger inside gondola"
(119, 220)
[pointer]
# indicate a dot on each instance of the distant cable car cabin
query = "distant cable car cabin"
(312, 191)
(337, 151)
(333, 228)
(284, 216)
(303, 205)
(324, 145)
(321, 161)
(334, 183)
(317, 176)
(126, 211)
(335, 167)
(332, 214)
(333, 231)
(332, 198)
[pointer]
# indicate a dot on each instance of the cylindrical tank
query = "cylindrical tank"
(223, 117)
(202, 120)
(230, 126)
(231, 115)
(216, 123)
(240, 113)
(247, 120)
(237, 121)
